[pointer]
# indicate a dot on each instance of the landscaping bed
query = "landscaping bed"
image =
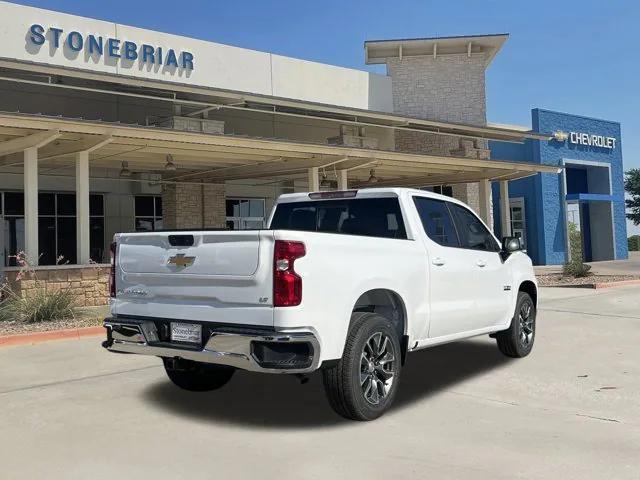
(17, 327)
(590, 281)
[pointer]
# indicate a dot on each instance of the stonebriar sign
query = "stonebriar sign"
(113, 48)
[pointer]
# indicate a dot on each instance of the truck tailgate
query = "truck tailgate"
(215, 276)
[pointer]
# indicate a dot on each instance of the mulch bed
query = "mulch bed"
(14, 328)
(558, 280)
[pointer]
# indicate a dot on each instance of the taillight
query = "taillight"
(112, 270)
(287, 284)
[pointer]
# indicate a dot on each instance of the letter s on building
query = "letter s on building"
(37, 36)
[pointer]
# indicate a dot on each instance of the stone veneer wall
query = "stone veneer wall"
(448, 88)
(90, 284)
(187, 206)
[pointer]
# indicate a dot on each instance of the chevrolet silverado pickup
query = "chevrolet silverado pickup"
(346, 282)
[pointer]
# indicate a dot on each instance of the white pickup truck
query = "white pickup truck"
(347, 282)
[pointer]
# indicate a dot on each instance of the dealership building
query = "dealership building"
(107, 128)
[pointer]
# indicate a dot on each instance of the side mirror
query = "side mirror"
(510, 245)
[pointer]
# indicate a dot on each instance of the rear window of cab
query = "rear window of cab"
(372, 217)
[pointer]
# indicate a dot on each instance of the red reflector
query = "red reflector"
(334, 194)
(112, 271)
(287, 284)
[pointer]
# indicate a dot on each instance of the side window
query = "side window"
(437, 221)
(473, 234)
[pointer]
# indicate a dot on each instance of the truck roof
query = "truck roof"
(360, 193)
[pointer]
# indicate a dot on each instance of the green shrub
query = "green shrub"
(575, 267)
(634, 243)
(38, 306)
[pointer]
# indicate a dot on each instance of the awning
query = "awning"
(218, 158)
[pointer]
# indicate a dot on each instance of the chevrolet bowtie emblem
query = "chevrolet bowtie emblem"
(180, 260)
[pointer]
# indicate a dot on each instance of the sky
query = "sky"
(579, 57)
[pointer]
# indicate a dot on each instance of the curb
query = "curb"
(40, 337)
(621, 283)
(597, 286)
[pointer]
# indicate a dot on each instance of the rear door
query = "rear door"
(216, 276)
(453, 277)
(483, 253)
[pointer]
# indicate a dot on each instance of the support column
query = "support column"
(484, 209)
(82, 208)
(343, 182)
(31, 248)
(314, 180)
(505, 209)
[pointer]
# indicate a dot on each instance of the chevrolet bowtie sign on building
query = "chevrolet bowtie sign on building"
(585, 139)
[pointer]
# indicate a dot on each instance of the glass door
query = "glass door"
(518, 223)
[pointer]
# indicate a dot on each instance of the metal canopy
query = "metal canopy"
(218, 158)
(200, 99)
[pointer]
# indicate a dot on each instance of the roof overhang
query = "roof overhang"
(198, 98)
(218, 158)
(378, 51)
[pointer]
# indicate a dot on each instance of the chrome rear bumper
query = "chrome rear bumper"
(232, 347)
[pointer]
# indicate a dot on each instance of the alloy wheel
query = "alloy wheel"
(527, 324)
(377, 368)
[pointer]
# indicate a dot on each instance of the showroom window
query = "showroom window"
(56, 227)
(148, 213)
(245, 213)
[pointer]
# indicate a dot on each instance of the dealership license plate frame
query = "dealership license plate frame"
(183, 332)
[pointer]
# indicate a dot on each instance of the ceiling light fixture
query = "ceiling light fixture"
(325, 183)
(170, 166)
(124, 171)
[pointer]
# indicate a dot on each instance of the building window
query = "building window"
(245, 213)
(148, 213)
(56, 227)
(446, 190)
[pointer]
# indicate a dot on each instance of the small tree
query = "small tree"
(634, 243)
(575, 267)
(632, 186)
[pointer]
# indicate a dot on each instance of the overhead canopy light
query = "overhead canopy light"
(124, 171)
(170, 166)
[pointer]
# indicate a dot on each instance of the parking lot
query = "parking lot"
(570, 410)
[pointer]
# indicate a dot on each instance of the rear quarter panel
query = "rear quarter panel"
(337, 269)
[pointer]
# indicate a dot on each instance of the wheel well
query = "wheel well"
(388, 304)
(529, 287)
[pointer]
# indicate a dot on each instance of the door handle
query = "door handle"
(438, 261)
(481, 263)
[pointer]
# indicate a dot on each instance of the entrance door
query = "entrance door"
(518, 223)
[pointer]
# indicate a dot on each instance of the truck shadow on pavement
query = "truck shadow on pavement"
(279, 401)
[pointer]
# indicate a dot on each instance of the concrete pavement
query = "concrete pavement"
(570, 410)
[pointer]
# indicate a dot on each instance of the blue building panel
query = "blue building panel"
(592, 156)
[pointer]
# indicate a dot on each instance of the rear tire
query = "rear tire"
(364, 382)
(517, 340)
(195, 376)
